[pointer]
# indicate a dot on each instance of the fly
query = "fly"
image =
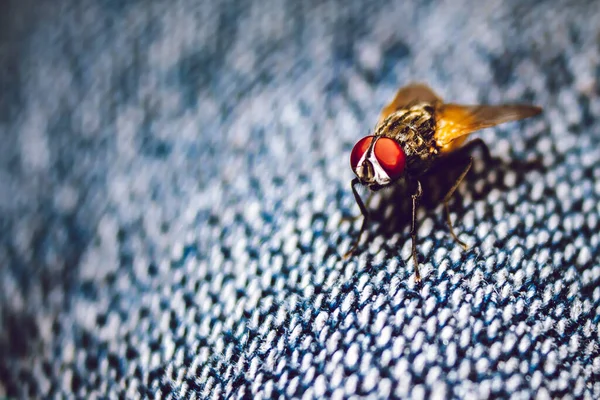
(415, 131)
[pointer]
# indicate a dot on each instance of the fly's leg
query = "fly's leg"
(447, 199)
(477, 142)
(367, 206)
(413, 230)
(459, 154)
(365, 214)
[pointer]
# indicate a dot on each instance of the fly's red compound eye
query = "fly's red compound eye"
(359, 149)
(391, 157)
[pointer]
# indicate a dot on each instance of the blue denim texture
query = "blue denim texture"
(174, 178)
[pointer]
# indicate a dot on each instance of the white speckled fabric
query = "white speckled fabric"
(174, 178)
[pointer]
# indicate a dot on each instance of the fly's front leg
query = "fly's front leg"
(413, 231)
(367, 206)
(365, 214)
(449, 196)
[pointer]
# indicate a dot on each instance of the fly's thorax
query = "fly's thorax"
(413, 129)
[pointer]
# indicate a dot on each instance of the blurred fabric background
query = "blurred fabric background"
(173, 178)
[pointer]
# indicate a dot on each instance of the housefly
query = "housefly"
(414, 132)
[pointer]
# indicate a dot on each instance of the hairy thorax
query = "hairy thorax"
(414, 129)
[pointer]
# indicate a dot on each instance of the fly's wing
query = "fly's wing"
(408, 95)
(455, 121)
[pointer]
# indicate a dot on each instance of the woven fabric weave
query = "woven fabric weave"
(174, 183)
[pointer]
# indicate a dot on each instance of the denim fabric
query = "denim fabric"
(174, 183)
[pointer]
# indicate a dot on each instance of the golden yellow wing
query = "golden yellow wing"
(408, 95)
(455, 122)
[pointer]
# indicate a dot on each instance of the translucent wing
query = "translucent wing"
(411, 94)
(455, 121)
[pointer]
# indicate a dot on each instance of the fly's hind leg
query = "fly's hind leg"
(467, 148)
(459, 154)
(478, 142)
(449, 196)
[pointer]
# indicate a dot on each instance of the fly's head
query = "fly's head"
(377, 161)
